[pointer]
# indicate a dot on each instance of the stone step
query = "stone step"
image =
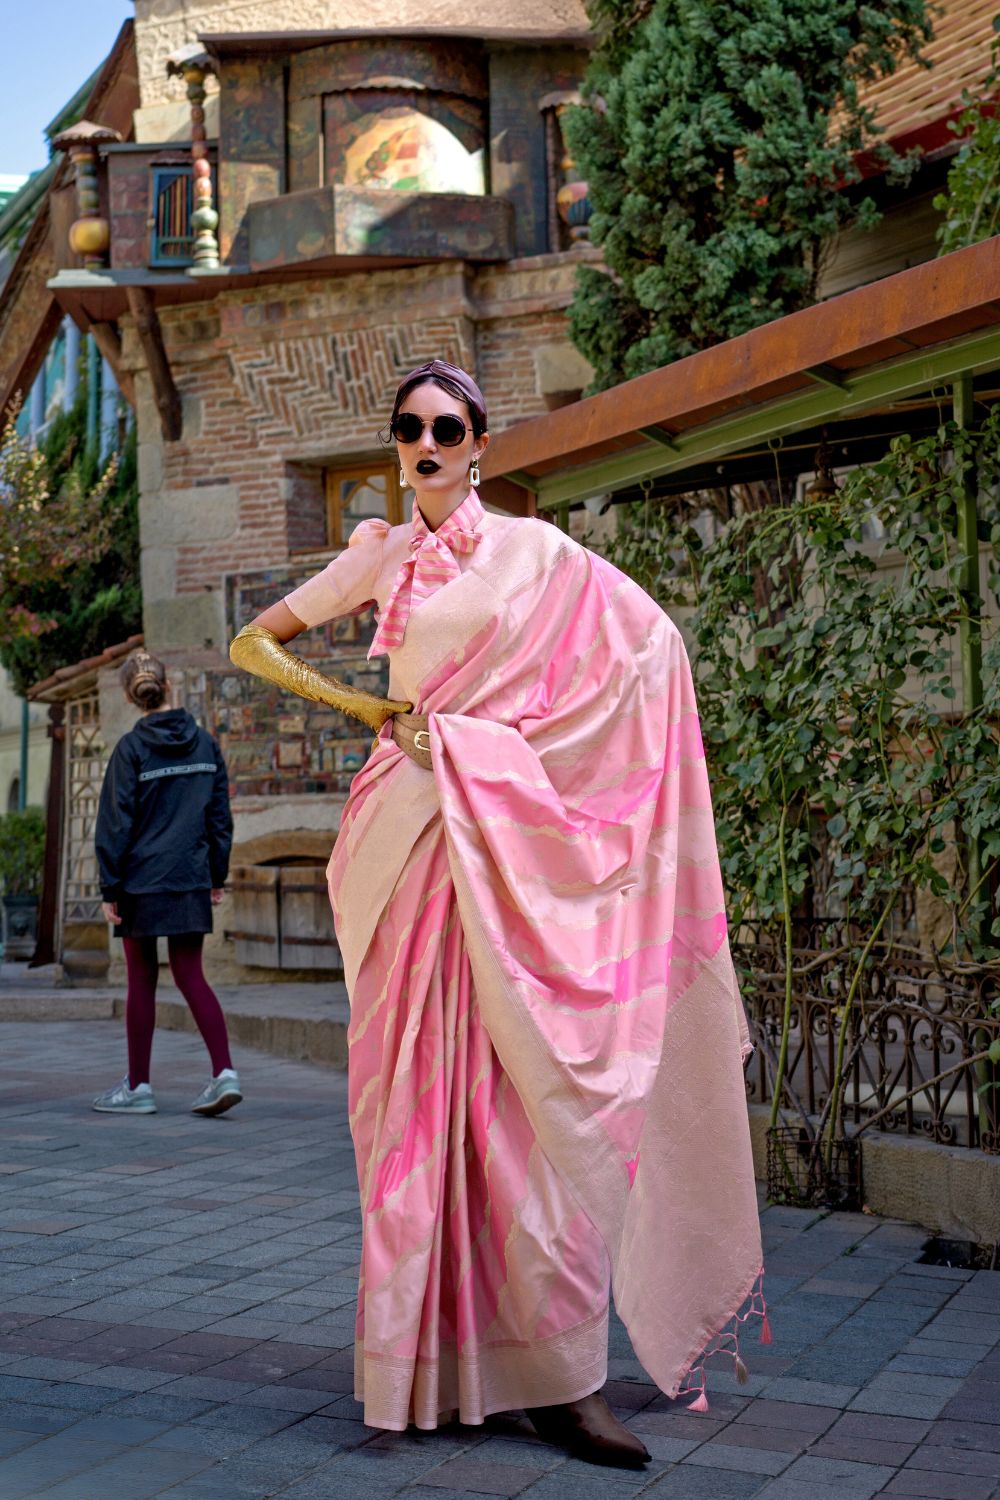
(305, 1022)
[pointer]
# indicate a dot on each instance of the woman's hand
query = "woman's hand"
(217, 894)
(110, 910)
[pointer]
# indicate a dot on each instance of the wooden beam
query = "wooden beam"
(168, 402)
(48, 910)
(29, 313)
(108, 340)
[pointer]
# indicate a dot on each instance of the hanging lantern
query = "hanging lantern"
(823, 484)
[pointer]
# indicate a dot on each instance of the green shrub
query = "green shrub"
(22, 852)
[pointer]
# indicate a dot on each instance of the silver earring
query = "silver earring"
(474, 472)
(402, 479)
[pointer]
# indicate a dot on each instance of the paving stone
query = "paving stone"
(333, 1483)
(480, 1478)
(897, 1403)
(243, 1251)
(30, 1418)
(82, 1397)
(127, 1432)
(252, 1419)
(939, 1486)
(684, 1483)
(215, 1442)
(150, 1478)
(855, 1480)
(965, 1434)
(746, 1460)
(159, 1407)
(851, 1424)
(910, 1364)
(792, 1415)
(211, 1389)
(861, 1450)
(810, 1392)
(940, 1459)
(776, 1439)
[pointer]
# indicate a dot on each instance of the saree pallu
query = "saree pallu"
(546, 1036)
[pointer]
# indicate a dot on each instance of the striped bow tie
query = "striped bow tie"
(433, 561)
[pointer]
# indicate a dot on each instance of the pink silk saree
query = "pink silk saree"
(546, 1036)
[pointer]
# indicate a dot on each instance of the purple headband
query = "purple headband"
(451, 379)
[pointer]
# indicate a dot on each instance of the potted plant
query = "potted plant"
(22, 852)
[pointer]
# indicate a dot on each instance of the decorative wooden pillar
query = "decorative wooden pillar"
(90, 234)
(569, 195)
(193, 64)
(48, 913)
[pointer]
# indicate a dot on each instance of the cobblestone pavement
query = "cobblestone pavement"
(177, 1308)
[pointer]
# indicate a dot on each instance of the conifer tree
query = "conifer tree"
(720, 144)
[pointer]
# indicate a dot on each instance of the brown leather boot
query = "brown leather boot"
(591, 1431)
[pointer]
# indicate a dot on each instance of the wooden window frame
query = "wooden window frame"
(334, 477)
(183, 245)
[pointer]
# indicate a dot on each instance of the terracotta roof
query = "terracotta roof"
(913, 106)
(64, 679)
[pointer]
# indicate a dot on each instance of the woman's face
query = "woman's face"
(430, 467)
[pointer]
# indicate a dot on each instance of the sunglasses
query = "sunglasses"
(447, 431)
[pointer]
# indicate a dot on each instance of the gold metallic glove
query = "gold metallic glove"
(259, 651)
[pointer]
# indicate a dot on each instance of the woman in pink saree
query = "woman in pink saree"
(546, 1036)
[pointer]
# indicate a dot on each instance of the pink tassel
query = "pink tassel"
(765, 1331)
(742, 1373)
(701, 1404)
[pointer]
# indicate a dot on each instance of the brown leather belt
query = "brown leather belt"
(411, 733)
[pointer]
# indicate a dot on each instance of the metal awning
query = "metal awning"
(862, 366)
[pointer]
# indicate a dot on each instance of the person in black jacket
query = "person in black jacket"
(164, 832)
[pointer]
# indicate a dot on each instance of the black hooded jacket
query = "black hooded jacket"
(164, 822)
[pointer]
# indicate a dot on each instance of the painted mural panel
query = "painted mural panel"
(251, 144)
(405, 141)
(273, 741)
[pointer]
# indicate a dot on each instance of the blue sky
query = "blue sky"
(51, 47)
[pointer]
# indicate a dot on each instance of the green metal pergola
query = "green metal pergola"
(887, 350)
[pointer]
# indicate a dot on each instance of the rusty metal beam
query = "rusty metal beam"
(917, 309)
(869, 388)
(168, 402)
(660, 436)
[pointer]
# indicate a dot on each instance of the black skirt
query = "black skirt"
(164, 914)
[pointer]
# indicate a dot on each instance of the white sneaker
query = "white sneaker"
(121, 1100)
(219, 1095)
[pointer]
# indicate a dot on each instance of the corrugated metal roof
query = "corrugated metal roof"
(916, 97)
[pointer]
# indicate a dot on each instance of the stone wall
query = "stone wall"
(161, 26)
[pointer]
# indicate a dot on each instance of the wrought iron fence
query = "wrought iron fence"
(915, 1031)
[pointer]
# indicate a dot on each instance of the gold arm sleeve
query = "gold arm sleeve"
(259, 651)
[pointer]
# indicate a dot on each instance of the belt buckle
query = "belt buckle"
(416, 740)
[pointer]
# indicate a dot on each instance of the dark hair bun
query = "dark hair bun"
(144, 679)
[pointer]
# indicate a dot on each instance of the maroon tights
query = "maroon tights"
(140, 1007)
